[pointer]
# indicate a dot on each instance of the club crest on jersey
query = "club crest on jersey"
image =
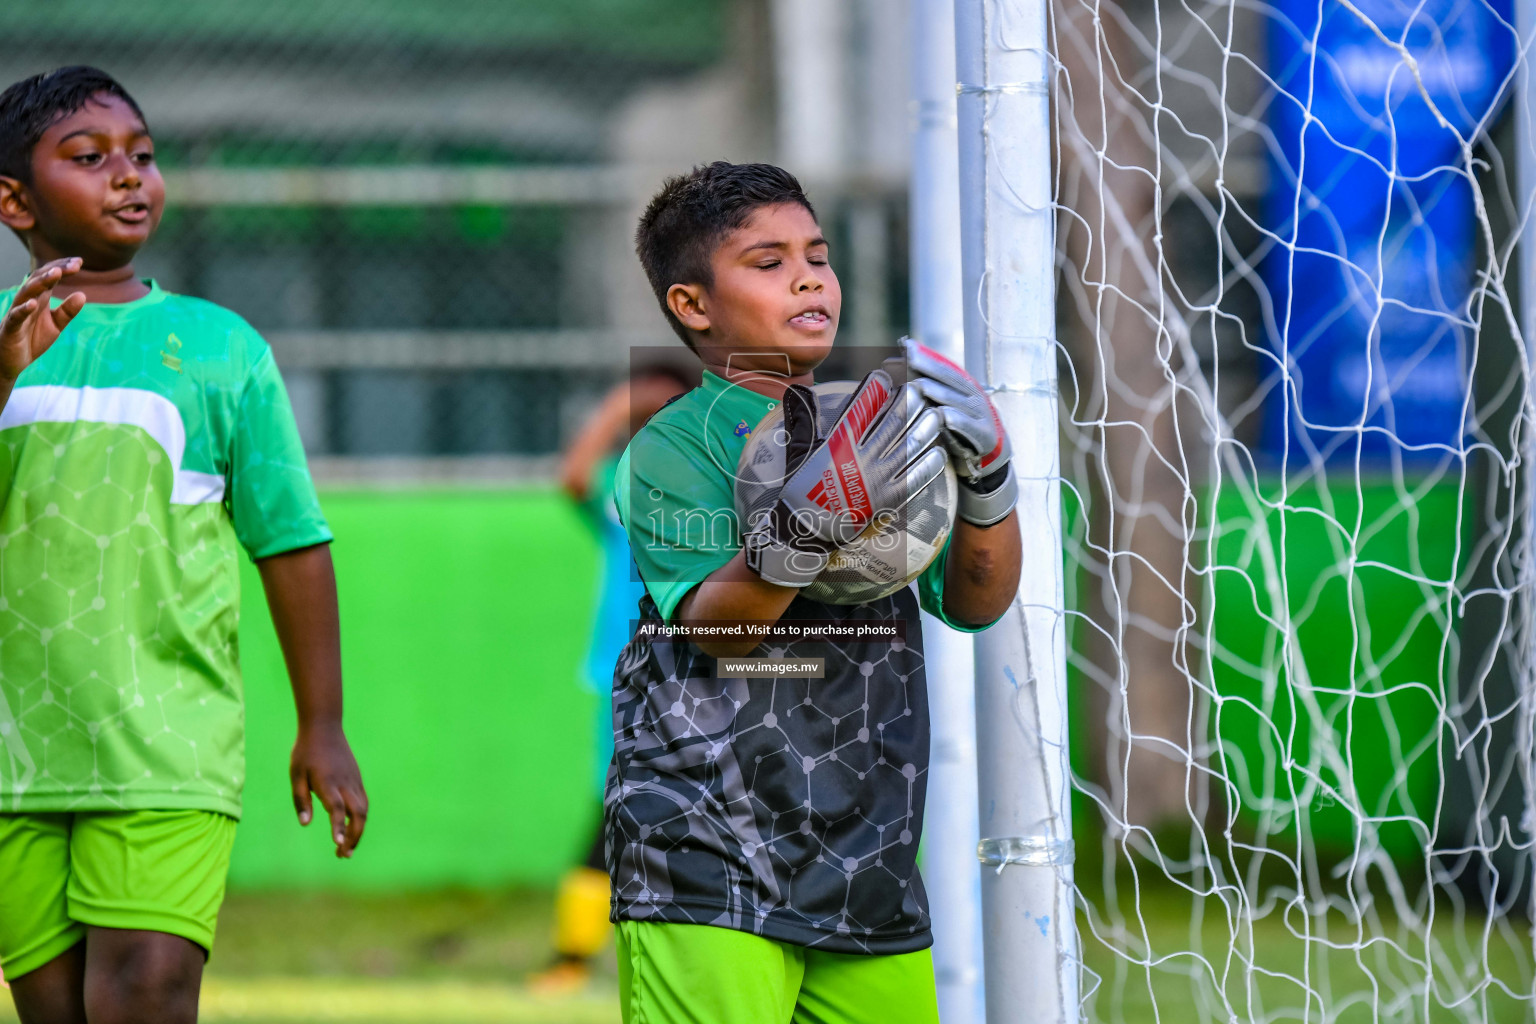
(168, 358)
(742, 430)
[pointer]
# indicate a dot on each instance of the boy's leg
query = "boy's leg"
(851, 988)
(55, 992)
(148, 885)
(40, 947)
(141, 977)
(698, 974)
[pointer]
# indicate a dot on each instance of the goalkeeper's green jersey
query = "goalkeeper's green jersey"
(787, 807)
(137, 456)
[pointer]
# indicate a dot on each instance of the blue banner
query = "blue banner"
(1373, 236)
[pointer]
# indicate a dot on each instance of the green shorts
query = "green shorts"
(699, 974)
(158, 871)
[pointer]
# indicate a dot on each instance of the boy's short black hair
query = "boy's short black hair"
(29, 107)
(686, 220)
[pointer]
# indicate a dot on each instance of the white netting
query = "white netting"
(1296, 413)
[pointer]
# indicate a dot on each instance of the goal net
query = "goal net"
(1296, 420)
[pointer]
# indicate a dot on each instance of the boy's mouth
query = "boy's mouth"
(131, 213)
(811, 318)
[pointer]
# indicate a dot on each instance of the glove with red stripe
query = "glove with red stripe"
(973, 432)
(882, 449)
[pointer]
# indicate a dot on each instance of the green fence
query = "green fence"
(464, 620)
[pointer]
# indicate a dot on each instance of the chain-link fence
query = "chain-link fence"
(427, 209)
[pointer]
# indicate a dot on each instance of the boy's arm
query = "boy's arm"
(593, 441)
(628, 404)
(733, 593)
(301, 592)
(981, 575)
(30, 325)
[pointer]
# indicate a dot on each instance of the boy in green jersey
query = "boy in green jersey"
(145, 438)
(762, 832)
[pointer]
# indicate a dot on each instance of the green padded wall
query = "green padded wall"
(1372, 662)
(464, 617)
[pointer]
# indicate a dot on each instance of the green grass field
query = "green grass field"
(460, 957)
(451, 957)
(1283, 967)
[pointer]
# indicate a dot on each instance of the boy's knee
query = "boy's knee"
(142, 978)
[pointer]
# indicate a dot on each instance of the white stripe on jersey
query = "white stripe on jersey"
(155, 414)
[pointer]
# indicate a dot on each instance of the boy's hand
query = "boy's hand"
(881, 451)
(973, 432)
(31, 325)
(301, 592)
(323, 764)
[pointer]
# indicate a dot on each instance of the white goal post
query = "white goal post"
(1249, 284)
(1008, 271)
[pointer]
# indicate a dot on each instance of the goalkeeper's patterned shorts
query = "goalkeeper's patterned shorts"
(699, 974)
(159, 871)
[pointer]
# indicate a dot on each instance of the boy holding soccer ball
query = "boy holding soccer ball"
(145, 438)
(762, 833)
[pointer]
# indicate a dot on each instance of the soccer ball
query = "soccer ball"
(891, 552)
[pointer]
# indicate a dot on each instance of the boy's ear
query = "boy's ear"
(686, 301)
(15, 210)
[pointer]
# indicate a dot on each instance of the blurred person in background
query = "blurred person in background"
(587, 475)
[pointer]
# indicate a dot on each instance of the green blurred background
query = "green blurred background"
(465, 616)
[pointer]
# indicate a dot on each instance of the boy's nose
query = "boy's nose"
(125, 174)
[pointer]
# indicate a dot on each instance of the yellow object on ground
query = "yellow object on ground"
(581, 913)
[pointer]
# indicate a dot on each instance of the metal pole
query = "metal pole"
(1008, 239)
(952, 830)
(812, 95)
(1525, 177)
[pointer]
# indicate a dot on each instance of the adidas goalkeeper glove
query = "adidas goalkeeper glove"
(973, 432)
(880, 451)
